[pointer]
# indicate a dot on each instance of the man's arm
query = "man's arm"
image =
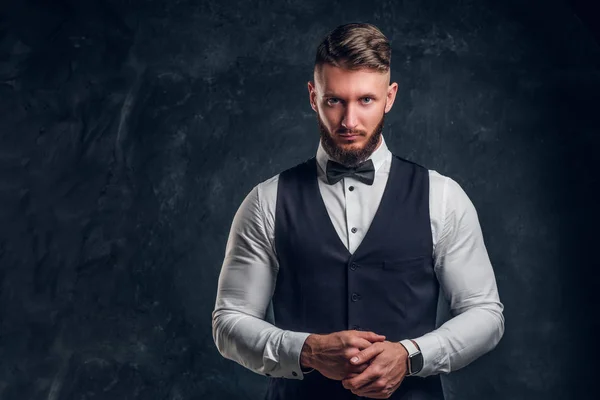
(246, 285)
(467, 279)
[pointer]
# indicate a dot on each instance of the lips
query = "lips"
(349, 137)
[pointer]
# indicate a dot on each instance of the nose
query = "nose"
(350, 120)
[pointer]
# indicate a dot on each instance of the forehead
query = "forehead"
(331, 80)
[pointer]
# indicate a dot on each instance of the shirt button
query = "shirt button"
(294, 373)
(351, 188)
(354, 230)
(355, 296)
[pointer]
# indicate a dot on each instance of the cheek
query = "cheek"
(330, 118)
(373, 119)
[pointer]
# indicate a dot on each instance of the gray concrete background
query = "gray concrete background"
(131, 131)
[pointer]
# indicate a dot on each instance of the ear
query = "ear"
(312, 95)
(391, 96)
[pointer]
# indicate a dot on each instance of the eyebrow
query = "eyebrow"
(364, 95)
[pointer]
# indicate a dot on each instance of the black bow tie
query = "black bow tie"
(364, 172)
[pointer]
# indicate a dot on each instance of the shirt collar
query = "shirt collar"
(378, 156)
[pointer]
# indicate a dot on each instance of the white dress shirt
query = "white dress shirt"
(243, 333)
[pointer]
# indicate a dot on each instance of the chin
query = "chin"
(355, 145)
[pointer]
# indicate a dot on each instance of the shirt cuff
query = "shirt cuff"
(433, 355)
(291, 348)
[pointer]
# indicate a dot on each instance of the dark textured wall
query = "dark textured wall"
(131, 131)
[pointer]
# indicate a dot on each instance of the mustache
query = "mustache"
(350, 131)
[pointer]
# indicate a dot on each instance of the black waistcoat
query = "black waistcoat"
(387, 286)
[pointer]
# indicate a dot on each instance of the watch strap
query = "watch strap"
(412, 350)
(409, 346)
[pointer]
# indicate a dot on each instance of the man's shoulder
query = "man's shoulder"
(446, 191)
(267, 189)
(436, 179)
(444, 181)
(269, 185)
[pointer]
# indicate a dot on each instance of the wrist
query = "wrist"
(307, 353)
(414, 360)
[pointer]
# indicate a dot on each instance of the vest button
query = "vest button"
(356, 327)
(355, 296)
(294, 373)
(353, 266)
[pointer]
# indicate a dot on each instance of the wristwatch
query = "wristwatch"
(415, 358)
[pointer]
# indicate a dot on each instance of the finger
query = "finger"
(371, 336)
(356, 369)
(369, 391)
(361, 343)
(362, 380)
(372, 391)
(350, 376)
(366, 354)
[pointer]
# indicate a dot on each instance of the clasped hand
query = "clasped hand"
(385, 372)
(377, 371)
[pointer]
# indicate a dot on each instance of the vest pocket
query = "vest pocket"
(405, 265)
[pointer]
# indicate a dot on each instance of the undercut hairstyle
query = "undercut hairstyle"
(355, 46)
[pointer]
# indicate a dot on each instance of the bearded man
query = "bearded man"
(334, 268)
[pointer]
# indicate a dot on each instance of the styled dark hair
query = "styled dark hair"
(355, 46)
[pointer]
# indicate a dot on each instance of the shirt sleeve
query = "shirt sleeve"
(245, 287)
(467, 280)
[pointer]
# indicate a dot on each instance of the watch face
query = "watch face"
(416, 363)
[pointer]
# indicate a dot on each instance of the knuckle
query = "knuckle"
(343, 338)
(381, 384)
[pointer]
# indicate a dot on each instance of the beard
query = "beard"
(349, 157)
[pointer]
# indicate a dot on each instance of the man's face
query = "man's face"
(350, 107)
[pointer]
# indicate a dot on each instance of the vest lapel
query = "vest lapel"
(378, 220)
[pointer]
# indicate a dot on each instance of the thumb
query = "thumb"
(366, 355)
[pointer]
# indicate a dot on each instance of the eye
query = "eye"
(332, 101)
(367, 98)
